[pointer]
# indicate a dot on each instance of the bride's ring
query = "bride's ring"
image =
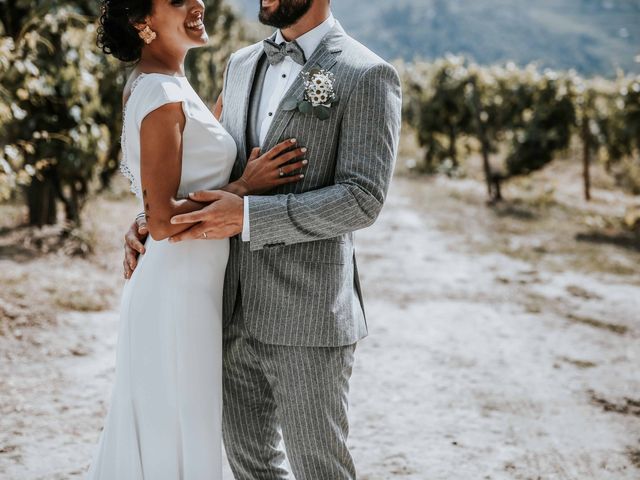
(204, 234)
(281, 172)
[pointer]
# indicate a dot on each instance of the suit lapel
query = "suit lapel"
(324, 58)
(246, 84)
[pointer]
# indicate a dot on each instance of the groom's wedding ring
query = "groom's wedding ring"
(281, 172)
(204, 234)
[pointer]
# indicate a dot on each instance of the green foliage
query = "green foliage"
(548, 129)
(533, 113)
(50, 88)
(622, 133)
(435, 100)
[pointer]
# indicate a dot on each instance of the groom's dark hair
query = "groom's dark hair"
(288, 13)
(116, 34)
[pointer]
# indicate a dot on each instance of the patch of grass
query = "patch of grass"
(599, 260)
(622, 239)
(634, 456)
(582, 364)
(592, 322)
(82, 300)
(625, 406)
(580, 292)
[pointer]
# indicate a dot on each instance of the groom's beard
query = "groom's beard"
(287, 13)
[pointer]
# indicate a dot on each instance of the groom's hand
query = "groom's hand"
(133, 245)
(222, 218)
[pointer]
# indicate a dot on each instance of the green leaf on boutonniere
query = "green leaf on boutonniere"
(305, 107)
(289, 104)
(322, 112)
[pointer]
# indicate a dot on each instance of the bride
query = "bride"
(164, 420)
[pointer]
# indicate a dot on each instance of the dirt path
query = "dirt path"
(485, 361)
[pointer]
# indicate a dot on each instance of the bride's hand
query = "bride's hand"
(264, 172)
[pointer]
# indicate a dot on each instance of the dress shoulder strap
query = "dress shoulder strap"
(151, 91)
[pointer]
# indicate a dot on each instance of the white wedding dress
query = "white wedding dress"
(164, 421)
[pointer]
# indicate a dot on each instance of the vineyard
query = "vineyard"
(520, 120)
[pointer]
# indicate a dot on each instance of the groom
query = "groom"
(292, 303)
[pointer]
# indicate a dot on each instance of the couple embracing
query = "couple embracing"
(242, 287)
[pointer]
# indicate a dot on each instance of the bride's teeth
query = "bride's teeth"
(197, 23)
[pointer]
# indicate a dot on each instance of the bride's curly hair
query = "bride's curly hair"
(116, 34)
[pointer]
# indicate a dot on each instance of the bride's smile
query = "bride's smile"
(196, 25)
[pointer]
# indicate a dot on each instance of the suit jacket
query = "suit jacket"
(298, 277)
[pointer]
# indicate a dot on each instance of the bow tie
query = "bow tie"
(276, 52)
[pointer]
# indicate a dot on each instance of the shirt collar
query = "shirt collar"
(309, 41)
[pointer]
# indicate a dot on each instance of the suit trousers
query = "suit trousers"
(275, 392)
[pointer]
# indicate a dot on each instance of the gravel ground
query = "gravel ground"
(500, 348)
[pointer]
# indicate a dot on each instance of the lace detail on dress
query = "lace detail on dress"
(124, 164)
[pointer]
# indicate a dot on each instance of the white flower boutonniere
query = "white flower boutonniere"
(319, 95)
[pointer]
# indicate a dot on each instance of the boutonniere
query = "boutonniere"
(319, 95)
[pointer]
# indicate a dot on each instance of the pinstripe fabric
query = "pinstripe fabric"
(298, 275)
(301, 391)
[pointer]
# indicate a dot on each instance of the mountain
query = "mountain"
(591, 36)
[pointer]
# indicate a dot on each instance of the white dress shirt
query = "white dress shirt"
(277, 81)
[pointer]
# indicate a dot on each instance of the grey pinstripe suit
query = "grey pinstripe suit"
(293, 306)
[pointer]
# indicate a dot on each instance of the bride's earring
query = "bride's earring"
(147, 35)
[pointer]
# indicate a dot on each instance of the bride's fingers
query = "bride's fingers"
(292, 155)
(289, 179)
(292, 167)
(255, 153)
(281, 147)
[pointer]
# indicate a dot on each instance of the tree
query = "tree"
(594, 101)
(496, 98)
(621, 133)
(53, 139)
(545, 130)
(437, 104)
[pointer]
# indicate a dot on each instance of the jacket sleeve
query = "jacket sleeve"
(366, 154)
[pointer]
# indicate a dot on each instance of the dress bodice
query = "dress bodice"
(208, 151)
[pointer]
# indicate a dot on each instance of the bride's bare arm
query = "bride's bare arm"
(217, 109)
(161, 168)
